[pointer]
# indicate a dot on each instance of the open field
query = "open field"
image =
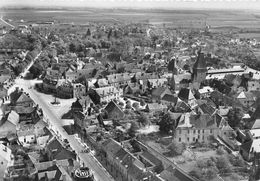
(174, 18)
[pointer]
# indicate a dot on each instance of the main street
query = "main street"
(54, 121)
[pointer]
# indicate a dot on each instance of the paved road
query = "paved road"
(55, 124)
(1, 19)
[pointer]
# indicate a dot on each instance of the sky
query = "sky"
(169, 4)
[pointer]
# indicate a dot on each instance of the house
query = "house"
(105, 94)
(205, 91)
(196, 128)
(158, 93)
(187, 96)
(85, 73)
(134, 88)
(154, 83)
(82, 104)
(180, 81)
(169, 100)
(114, 111)
(26, 113)
(206, 109)
(119, 79)
(251, 144)
(182, 107)
(50, 84)
(122, 164)
(223, 100)
(54, 170)
(79, 90)
(26, 135)
(247, 99)
(65, 90)
(22, 100)
(4, 94)
(96, 83)
(55, 150)
(155, 107)
(10, 122)
(6, 158)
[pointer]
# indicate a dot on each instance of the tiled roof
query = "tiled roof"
(111, 146)
(170, 98)
(202, 121)
(111, 106)
(151, 158)
(158, 91)
(23, 110)
(13, 117)
(174, 174)
(182, 106)
(156, 106)
(185, 94)
(207, 109)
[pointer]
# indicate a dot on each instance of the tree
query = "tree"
(143, 120)
(142, 102)
(133, 129)
(234, 116)
(223, 164)
(167, 124)
(136, 105)
(175, 149)
(72, 47)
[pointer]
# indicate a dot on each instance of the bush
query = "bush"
(175, 149)
(220, 151)
(223, 164)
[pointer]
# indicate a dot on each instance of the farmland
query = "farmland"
(174, 18)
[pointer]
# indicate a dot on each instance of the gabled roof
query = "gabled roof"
(153, 159)
(58, 151)
(207, 109)
(256, 124)
(174, 174)
(111, 107)
(158, 91)
(241, 95)
(182, 106)
(24, 98)
(203, 121)
(13, 118)
(155, 106)
(185, 94)
(23, 110)
(111, 146)
(170, 98)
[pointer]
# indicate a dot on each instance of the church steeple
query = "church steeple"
(199, 68)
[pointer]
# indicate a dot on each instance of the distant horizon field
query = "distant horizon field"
(186, 18)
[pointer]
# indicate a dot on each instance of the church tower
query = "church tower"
(199, 68)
